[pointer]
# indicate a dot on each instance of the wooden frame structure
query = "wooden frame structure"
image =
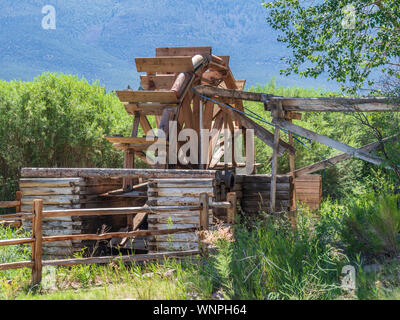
(284, 109)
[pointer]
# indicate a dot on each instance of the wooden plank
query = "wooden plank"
(329, 142)
(341, 157)
(116, 173)
(9, 204)
(110, 235)
(37, 249)
(12, 242)
(231, 93)
(116, 211)
(49, 191)
(157, 82)
(167, 97)
(16, 265)
(147, 108)
(274, 165)
(182, 51)
(130, 258)
(204, 218)
(165, 64)
(336, 104)
(49, 182)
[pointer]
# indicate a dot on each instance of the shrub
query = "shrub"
(56, 121)
(372, 225)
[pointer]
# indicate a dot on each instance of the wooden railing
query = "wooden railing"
(12, 204)
(38, 239)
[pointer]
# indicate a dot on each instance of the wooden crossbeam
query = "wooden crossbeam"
(329, 142)
(168, 97)
(182, 51)
(335, 104)
(231, 93)
(304, 104)
(339, 158)
(165, 64)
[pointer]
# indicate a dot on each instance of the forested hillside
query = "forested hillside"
(100, 39)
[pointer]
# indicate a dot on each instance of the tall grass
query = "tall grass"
(272, 261)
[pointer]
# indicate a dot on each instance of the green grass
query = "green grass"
(268, 259)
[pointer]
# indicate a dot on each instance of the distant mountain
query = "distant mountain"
(98, 39)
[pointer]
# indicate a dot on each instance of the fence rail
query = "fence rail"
(12, 219)
(38, 239)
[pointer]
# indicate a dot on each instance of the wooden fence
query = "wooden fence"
(12, 204)
(38, 239)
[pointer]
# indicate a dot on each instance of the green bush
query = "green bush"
(56, 121)
(372, 225)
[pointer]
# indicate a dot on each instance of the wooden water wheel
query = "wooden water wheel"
(168, 95)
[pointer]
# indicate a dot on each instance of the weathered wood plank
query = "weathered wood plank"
(341, 157)
(165, 64)
(329, 142)
(157, 82)
(182, 51)
(167, 97)
(116, 173)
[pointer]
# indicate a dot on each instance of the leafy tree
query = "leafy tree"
(348, 39)
(57, 121)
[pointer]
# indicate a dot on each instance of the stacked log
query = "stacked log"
(57, 194)
(74, 193)
(176, 192)
(309, 190)
(256, 193)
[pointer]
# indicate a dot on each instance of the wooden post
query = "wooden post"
(232, 212)
(292, 169)
(37, 244)
(204, 211)
(276, 114)
(19, 198)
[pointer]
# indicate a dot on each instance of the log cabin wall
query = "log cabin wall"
(309, 190)
(73, 193)
(254, 193)
(175, 192)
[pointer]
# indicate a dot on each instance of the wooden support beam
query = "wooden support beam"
(304, 104)
(165, 64)
(37, 235)
(231, 93)
(339, 158)
(232, 211)
(335, 104)
(204, 220)
(277, 114)
(328, 142)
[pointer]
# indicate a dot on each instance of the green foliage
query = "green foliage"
(345, 38)
(372, 225)
(271, 261)
(56, 121)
